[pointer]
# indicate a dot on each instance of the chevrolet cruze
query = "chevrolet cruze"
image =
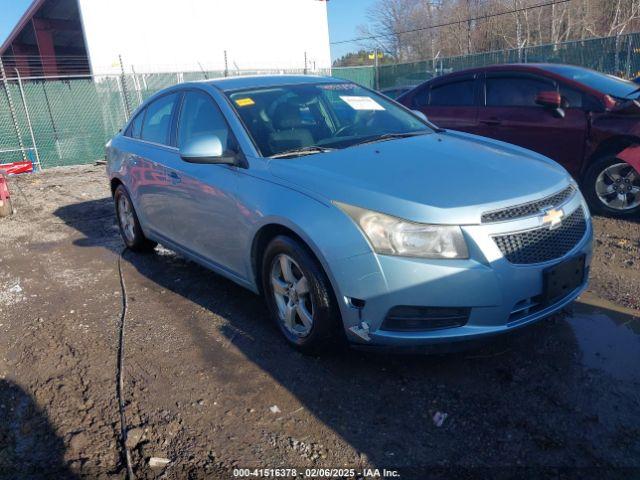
(355, 217)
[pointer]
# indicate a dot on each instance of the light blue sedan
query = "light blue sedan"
(354, 217)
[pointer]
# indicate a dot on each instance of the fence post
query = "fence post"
(26, 111)
(630, 39)
(377, 70)
(14, 117)
(136, 85)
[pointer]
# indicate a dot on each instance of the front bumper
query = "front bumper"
(494, 289)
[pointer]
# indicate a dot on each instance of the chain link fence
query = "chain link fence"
(72, 118)
(614, 55)
(67, 121)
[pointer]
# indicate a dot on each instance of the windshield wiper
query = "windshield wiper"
(311, 149)
(389, 136)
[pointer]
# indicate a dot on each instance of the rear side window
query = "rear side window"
(136, 126)
(200, 117)
(456, 94)
(157, 121)
(515, 91)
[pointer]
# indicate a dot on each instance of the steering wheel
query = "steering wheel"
(344, 131)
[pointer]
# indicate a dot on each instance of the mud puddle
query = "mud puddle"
(608, 337)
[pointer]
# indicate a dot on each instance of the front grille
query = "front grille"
(542, 244)
(528, 209)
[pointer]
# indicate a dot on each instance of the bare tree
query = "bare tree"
(410, 30)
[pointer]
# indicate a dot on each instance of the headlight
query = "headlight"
(394, 236)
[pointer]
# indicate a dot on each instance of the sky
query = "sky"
(344, 18)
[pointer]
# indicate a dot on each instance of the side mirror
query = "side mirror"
(549, 99)
(421, 115)
(207, 149)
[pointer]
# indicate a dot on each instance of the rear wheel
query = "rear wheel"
(612, 187)
(130, 228)
(299, 295)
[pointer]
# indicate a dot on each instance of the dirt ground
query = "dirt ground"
(210, 386)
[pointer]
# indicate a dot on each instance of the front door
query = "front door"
(202, 201)
(150, 154)
(511, 114)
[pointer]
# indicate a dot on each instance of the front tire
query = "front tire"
(612, 188)
(299, 296)
(128, 222)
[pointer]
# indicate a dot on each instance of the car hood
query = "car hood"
(448, 178)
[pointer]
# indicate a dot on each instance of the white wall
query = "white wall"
(174, 35)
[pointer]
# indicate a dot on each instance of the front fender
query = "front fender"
(335, 240)
(631, 155)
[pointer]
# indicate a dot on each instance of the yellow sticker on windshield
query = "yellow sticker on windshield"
(245, 102)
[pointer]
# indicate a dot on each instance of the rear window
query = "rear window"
(136, 126)
(157, 121)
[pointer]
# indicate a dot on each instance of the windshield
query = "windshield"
(319, 117)
(614, 86)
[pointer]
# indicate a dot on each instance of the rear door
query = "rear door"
(510, 114)
(149, 156)
(450, 103)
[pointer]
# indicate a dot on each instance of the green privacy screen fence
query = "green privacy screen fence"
(614, 55)
(68, 121)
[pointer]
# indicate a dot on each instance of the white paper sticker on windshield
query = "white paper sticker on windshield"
(361, 103)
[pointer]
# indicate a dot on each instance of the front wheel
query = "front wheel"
(612, 187)
(299, 295)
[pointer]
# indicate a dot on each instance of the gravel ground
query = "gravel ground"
(210, 386)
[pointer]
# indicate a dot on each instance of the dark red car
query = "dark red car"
(585, 120)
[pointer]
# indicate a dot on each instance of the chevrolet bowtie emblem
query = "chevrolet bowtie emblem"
(552, 217)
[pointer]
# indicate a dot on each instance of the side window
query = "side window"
(570, 98)
(200, 116)
(135, 127)
(421, 97)
(157, 121)
(515, 91)
(456, 94)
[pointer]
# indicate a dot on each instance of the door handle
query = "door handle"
(491, 122)
(175, 178)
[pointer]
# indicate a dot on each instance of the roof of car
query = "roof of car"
(505, 66)
(260, 81)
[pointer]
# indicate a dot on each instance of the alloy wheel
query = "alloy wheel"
(292, 295)
(126, 218)
(618, 187)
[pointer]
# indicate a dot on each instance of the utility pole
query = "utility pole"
(305, 62)
(226, 64)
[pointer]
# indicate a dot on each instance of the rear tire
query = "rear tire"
(314, 316)
(128, 222)
(604, 180)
